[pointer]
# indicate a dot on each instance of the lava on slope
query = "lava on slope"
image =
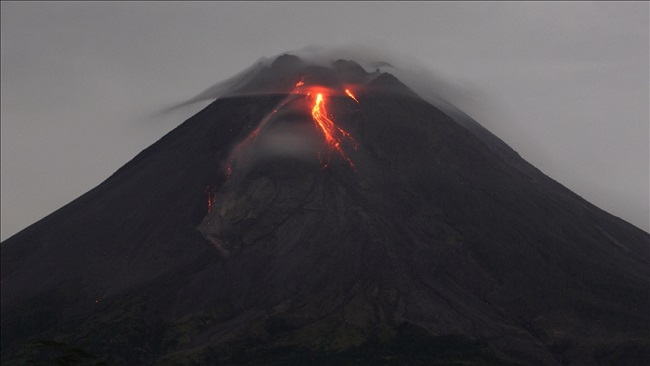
(436, 249)
(317, 98)
(333, 134)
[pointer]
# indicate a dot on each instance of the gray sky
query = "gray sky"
(565, 84)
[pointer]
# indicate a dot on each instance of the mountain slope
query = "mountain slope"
(246, 235)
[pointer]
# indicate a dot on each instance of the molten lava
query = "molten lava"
(333, 134)
(228, 169)
(212, 197)
(349, 93)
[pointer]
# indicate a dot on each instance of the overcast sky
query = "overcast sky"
(565, 84)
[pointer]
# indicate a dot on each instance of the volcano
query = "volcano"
(323, 214)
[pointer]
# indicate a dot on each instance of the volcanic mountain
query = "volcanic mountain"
(323, 214)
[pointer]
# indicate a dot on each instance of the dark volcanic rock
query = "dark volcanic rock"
(440, 245)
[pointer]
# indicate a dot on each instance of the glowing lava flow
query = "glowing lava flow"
(212, 197)
(334, 135)
(349, 93)
(252, 137)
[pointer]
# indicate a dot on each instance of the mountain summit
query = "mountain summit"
(323, 214)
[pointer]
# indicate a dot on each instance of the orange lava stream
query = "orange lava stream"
(333, 134)
(212, 197)
(349, 93)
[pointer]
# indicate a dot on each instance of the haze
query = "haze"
(565, 84)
